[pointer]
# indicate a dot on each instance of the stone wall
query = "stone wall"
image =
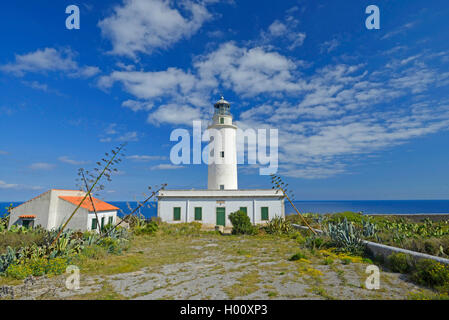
(385, 251)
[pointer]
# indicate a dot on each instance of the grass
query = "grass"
(245, 285)
(249, 263)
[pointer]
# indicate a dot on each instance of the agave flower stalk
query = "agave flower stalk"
(137, 208)
(103, 173)
(280, 185)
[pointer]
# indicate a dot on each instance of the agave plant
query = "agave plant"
(346, 236)
(278, 225)
(7, 259)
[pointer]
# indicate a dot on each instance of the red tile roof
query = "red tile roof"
(99, 205)
(27, 216)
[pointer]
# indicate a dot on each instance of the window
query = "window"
(94, 224)
(222, 154)
(111, 220)
(102, 223)
(264, 211)
(244, 209)
(198, 214)
(221, 120)
(177, 214)
(221, 186)
(27, 223)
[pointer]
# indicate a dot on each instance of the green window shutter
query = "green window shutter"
(102, 222)
(244, 209)
(177, 214)
(264, 211)
(221, 120)
(198, 214)
(94, 224)
(111, 220)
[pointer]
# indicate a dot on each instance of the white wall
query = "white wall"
(105, 214)
(38, 207)
(208, 205)
(60, 210)
(51, 212)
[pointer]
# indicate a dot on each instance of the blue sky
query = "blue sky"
(361, 114)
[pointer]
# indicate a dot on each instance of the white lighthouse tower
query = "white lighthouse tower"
(222, 169)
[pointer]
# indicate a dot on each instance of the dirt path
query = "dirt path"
(228, 268)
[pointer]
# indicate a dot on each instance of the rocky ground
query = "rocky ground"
(219, 267)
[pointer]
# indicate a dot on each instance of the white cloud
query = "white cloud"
(285, 31)
(166, 167)
(48, 60)
(329, 46)
(128, 136)
(66, 159)
(41, 166)
(174, 114)
(142, 26)
(137, 105)
(147, 85)
(248, 71)
(399, 30)
(4, 185)
(145, 158)
(327, 118)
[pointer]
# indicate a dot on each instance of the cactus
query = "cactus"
(7, 259)
(278, 225)
(346, 236)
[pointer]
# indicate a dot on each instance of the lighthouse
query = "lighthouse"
(212, 206)
(222, 168)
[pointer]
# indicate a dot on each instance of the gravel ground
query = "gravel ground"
(226, 268)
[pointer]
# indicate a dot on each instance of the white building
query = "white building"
(52, 209)
(213, 206)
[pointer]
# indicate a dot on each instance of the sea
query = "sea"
(321, 207)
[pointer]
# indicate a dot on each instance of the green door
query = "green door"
(198, 214)
(221, 216)
(264, 211)
(177, 214)
(244, 209)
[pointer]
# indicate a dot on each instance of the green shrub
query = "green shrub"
(241, 224)
(191, 228)
(19, 271)
(147, 229)
(278, 225)
(431, 273)
(37, 267)
(298, 256)
(346, 236)
(316, 242)
(400, 262)
(56, 266)
(94, 252)
(113, 246)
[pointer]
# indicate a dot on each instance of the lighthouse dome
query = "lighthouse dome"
(222, 107)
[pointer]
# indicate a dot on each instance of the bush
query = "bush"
(278, 225)
(94, 252)
(19, 271)
(241, 224)
(431, 273)
(36, 267)
(400, 262)
(346, 236)
(148, 229)
(297, 256)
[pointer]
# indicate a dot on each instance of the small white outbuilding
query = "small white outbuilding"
(52, 209)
